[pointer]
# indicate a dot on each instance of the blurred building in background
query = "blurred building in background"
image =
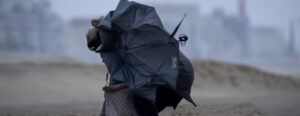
(291, 46)
(226, 35)
(295, 37)
(28, 26)
(267, 42)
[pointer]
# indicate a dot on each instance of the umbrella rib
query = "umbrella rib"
(148, 46)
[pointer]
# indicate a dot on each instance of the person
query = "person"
(138, 51)
(143, 106)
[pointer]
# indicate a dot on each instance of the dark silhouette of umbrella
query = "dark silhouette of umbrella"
(138, 50)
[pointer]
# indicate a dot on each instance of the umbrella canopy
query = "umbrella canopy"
(138, 50)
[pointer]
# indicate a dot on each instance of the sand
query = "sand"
(182, 110)
(64, 88)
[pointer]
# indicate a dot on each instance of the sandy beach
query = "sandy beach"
(59, 88)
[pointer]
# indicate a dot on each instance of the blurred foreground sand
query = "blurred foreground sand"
(42, 88)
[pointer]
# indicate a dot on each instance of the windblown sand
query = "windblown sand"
(59, 88)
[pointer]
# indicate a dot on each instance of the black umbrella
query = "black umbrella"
(138, 50)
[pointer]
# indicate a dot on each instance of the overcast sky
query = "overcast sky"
(261, 12)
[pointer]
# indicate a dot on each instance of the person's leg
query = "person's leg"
(143, 106)
(103, 110)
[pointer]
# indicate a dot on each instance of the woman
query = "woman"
(143, 106)
(138, 51)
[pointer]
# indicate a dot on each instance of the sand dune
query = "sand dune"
(211, 74)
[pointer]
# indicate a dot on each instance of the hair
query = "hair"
(95, 22)
(93, 34)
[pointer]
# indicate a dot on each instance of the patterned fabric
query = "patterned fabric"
(118, 103)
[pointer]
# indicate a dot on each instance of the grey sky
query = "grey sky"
(261, 12)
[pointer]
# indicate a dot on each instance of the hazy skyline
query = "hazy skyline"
(276, 13)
